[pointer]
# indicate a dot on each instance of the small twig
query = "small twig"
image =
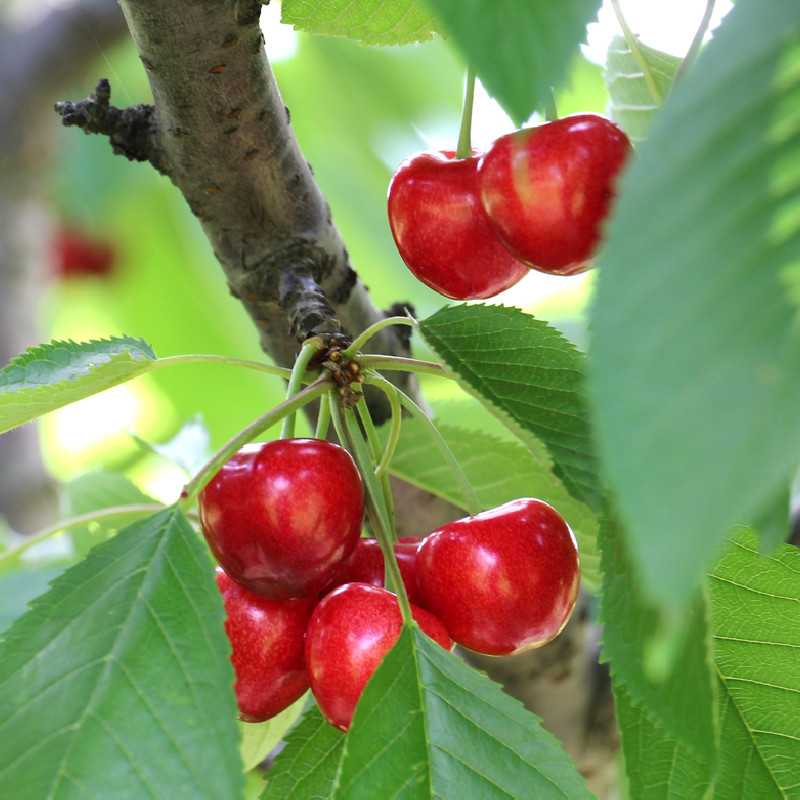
(306, 306)
(133, 132)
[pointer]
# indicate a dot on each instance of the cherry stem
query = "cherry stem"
(464, 149)
(256, 427)
(323, 417)
(269, 369)
(376, 327)
(633, 46)
(307, 352)
(384, 529)
(697, 41)
(472, 503)
(401, 364)
(394, 431)
(375, 446)
(73, 522)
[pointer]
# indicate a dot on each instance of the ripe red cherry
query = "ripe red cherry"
(280, 517)
(350, 632)
(547, 190)
(365, 565)
(503, 581)
(75, 254)
(267, 640)
(442, 232)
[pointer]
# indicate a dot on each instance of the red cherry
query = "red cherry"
(442, 232)
(365, 565)
(267, 641)
(350, 632)
(503, 581)
(280, 517)
(75, 254)
(547, 190)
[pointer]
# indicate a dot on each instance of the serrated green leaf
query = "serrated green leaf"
(430, 726)
(632, 105)
(681, 698)
(117, 683)
(307, 766)
(530, 376)
(519, 48)
(93, 492)
(385, 22)
(695, 343)
(499, 471)
(658, 766)
(258, 740)
(19, 587)
(52, 375)
(755, 602)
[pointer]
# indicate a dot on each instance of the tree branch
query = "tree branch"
(221, 132)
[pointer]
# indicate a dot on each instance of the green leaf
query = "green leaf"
(430, 726)
(755, 602)
(258, 740)
(19, 587)
(307, 766)
(519, 48)
(695, 342)
(189, 448)
(530, 376)
(93, 492)
(680, 694)
(369, 21)
(658, 766)
(53, 375)
(632, 105)
(499, 471)
(117, 683)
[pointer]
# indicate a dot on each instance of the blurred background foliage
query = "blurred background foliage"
(357, 111)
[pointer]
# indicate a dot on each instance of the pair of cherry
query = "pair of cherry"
(304, 594)
(471, 227)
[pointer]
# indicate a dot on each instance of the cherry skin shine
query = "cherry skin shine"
(441, 229)
(503, 581)
(280, 517)
(267, 640)
(547, 190)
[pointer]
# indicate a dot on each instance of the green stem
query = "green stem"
(307, 352)
(376, 327)
(401, 364)
(394, 432)
(697, 41)
(384, 528)
(471, 500)
(265, 421)
(633, 46)
(215, 359)
(323, 417)
(73, 522)
(375, 447)
(338, 420)
(464, 149)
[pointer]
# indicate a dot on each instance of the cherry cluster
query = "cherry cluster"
(471, 227)
(304, 593)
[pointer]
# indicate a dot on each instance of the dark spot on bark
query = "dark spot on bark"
(234, 113)
(231, 130)
(310, 168)
(230, 40)
(148, 64)
(342, 292)
(251, 153)
(288, 114)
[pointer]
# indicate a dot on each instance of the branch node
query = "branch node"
(133, 131)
